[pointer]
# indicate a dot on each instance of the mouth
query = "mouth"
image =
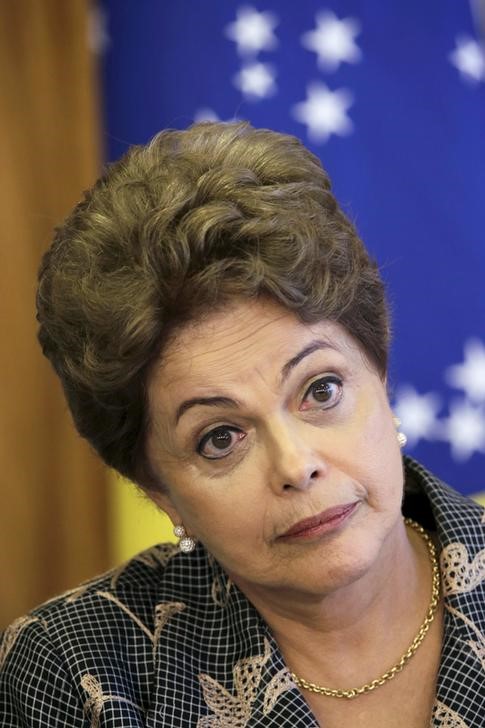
(322, 523)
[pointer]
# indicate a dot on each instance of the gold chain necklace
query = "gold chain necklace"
(392, 672)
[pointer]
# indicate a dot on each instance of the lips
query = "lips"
(320, 519)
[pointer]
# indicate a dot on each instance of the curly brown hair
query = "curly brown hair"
(170, 232)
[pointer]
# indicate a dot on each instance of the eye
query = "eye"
(219, 442)
(323, 393)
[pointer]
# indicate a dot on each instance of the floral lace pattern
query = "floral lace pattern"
(279, 684)
(234, 711)
(97, 699)
(444, 717)
(459, 575)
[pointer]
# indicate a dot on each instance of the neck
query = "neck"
(366, 622)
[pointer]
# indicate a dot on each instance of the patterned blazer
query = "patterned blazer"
(167, 640)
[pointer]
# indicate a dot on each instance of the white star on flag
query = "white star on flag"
(325, 112)
(465, 430)
(469, 59)
(256, 80)
(205, 114)
(253, 31)
(470, 376)
(417, 413)
(333, 41)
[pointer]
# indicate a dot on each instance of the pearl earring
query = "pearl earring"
(186, 543)
(401, 437)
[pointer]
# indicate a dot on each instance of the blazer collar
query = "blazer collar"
(460, 696)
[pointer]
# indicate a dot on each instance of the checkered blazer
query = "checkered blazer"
(167, 640)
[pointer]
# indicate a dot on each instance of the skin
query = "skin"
(294, 446)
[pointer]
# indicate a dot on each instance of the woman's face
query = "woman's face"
(260, 421)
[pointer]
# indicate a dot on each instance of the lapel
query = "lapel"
(460, 699)
(460, 694)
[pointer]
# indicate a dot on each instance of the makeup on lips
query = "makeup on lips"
(318, 525)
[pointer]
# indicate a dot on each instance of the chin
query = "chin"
(345, 564)
(344, 575)
(321, 575)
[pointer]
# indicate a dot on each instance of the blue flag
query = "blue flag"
(391, 97)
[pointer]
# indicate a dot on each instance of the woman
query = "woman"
(221, 335)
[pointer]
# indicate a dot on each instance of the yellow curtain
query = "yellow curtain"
(53, 514)
(136, 523)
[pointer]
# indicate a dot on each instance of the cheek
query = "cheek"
(380, 432)
(223, 508)
(377, 455)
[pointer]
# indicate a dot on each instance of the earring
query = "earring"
(401, 437)
(186, 543)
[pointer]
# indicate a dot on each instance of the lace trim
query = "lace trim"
(158, 555)
(459, 576)
(280, 683)
(477, 647)
(73, 594)
(164, 612)
(444, 717)
(211, 721)
(234, 711)
(220, 591)
(13, 632)
(97, 699)
(121, 605)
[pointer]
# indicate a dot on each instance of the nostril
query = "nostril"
(314, 474)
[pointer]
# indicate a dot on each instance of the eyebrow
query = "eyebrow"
(205, 402)
(219, 401)
(313, 346)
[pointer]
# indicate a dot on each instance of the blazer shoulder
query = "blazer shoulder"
(26, 650)
(125, 594)
(140, 575)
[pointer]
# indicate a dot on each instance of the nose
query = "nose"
(293, 463)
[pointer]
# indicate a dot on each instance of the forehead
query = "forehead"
(230, 344)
